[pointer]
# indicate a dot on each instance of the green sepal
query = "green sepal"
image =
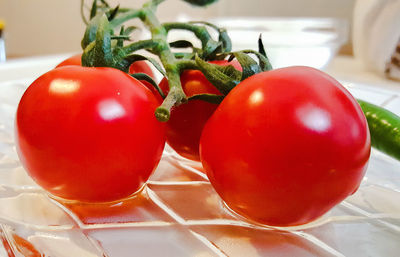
(129, 30)
(223, 36)
(119, 58)
(98, 52)
(88, 55)
(120, 37)
(221, 81)
(209, 46)
(123, 35)
(211, 49)
(120, 42)
(145, 77)
(230, 71)
(263, 60)
(123, 10)
(261, 48)
(249, 66)
(210, 98)
(137, 57)
(181, 44)
(90, 32)
(184, 55)
(105, 3)
(112, 13)
(142, 44)
(102, 48)
(125, 15)
(226, 40)
(93, 10)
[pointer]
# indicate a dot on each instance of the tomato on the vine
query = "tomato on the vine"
(187, 120)
(136, 67)
(285, 146)
(89, 134)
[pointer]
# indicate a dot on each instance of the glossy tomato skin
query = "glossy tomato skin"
(187, 120)
(141, 67)
(285, 146)
(89, 134)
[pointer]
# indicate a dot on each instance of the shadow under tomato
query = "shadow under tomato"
(137, 208)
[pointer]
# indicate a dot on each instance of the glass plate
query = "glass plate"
(179, 214)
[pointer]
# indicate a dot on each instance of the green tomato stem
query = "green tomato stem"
(143, 44)
(176, 95)
(128, 15)
(224, 83)
(83, 12)
(187, 65)
(200, 32)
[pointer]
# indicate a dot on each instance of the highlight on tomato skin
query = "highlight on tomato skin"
(285, 146)
(89, 134)
(187, 120)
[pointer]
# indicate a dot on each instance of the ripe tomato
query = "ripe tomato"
(187, 120)
(285, 146)
(89, 134)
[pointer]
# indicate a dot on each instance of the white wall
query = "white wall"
(315, 8)
(36, 27)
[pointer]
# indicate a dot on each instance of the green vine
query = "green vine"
(102, 47)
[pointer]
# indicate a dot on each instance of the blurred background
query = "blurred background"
(44, 27)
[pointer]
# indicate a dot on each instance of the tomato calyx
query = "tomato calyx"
(225, 78)
(210, 50)
(103, 47)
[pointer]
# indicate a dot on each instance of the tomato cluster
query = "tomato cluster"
(282, 148)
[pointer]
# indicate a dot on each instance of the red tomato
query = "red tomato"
(141, 67)
(89, 134)
(187, 120)
(285, 146)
